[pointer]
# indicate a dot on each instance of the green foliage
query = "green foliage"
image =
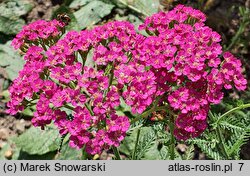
(5, 147)
(11, 26)
(124, 109)
(146, 142)
(226, 134)
(152, 143)
(149, 7)
(68, 153)
(142, 7)
(244, 22)
(10, 60)
(237, 132)
(26, 156)
(206, 146)
(87, 14)
(189, 155)
(92, 13)
(38, 142)
(18, 154)
(11, 10)
(136, 22)
(15, 7)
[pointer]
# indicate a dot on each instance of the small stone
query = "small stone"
(181, 147)
(1, 145)
(4, 133)
(1, 122)
(20, 126)
(110, 156)
(40, 1)
(202, 156)
(104, 155)
(8, 154)
(120, 11)
(47, 4)
(27, 124)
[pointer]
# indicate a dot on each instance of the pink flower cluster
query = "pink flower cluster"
(28, 83)
(38, 32)
(77, 82)
(185, 55)
(65, 87)
(141, 86)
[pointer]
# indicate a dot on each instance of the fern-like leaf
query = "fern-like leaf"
(145, 143)
(189, 155)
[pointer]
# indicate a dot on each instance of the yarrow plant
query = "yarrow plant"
(78, 81)
(187, 59)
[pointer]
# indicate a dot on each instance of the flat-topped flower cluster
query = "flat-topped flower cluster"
(77, 82)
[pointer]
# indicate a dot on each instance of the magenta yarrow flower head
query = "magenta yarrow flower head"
(186, 56)
(39, 32)
(64, 81)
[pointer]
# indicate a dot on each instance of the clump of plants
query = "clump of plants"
(79, 80)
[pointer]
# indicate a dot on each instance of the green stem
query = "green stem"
(172, 145)
(84, 58)
(86, 105)
(231, 111)
(236, 37)
(30, 104)
(116, 152)
(69, 107)
(110, 72)
(43, 45)
(84, 154)
(111, 77)
(220, 137)
(200, 4)
(72, 85)
(136, 144)
(89, 108)
(131, 129)
(244, 22)
(57, 82)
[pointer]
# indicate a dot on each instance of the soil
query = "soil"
(11, 126)
(43, 9)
